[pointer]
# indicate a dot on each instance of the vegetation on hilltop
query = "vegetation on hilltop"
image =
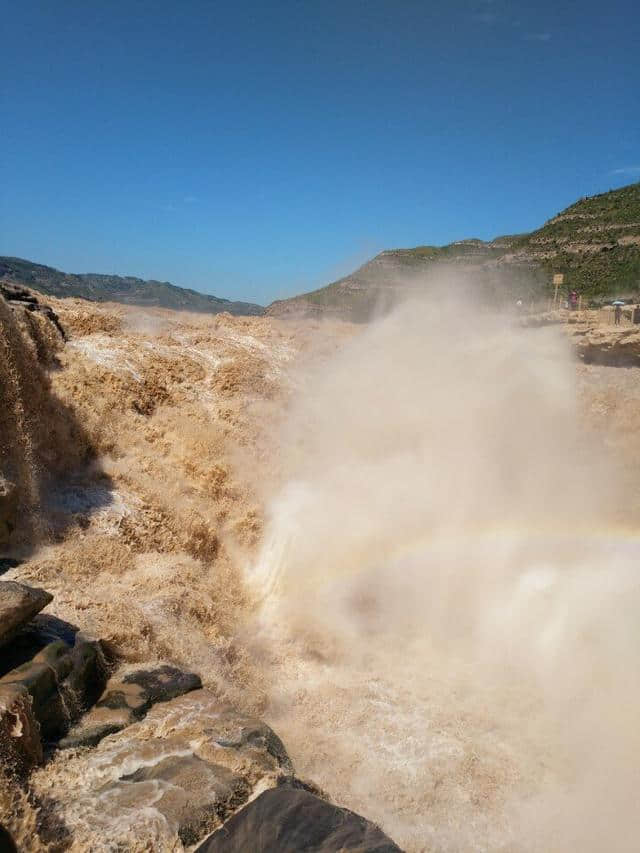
(595, 243)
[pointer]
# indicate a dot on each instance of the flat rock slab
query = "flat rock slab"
(126, 699)
(163, 683)
(138, 691)
(291, 820)
(18, 605)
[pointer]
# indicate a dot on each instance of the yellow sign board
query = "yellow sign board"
(558, 278)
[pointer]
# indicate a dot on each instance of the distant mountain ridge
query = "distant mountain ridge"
(594, 243)
(114, 288)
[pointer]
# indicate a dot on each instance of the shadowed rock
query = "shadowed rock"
(18, 604)
(291, 820)
(62, 681)
(7, 844)
(7, 563)
(42, 677)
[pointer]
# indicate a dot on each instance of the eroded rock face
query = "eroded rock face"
(170, 778)
(608, 345)
(19, 604)
(289, 819)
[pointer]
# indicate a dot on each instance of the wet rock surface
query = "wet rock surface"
(155, 763)
(18, 604)
(91, 731)
(289, 819)
(171, 778)
(126, 699)
(138, 691)
(197, 794)
(163, 683)
(148, 757)
(42, 630)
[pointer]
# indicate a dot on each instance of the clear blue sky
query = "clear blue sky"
(259, 149)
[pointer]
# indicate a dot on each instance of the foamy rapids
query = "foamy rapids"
(449, 592)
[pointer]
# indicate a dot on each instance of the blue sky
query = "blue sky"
(258, 149)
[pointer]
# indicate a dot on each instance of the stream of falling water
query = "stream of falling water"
(16, 367)
(450, 593)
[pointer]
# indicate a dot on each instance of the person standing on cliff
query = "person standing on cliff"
(617, 314)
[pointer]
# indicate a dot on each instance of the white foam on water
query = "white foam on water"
(450, 593)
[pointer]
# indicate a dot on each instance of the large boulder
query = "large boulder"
(19, 604)
(177, 775)
(288, 819)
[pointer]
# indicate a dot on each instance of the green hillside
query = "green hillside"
(114, 288)
(595, 243)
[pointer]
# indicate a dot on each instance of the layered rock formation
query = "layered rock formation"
(616, 346)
